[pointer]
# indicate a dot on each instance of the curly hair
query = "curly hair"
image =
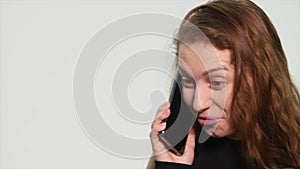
(265, 105)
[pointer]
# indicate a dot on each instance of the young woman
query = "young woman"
(256, 123)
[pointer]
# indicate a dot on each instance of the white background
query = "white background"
(40, 44)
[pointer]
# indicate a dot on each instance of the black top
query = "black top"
(215, 153)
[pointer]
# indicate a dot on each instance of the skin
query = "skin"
(207, 86)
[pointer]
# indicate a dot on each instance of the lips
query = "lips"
(208, 120)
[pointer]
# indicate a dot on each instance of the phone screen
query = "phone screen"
(179, 123)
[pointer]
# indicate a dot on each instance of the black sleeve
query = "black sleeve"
(169, 165)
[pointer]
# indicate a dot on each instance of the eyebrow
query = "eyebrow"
(206, 72)
(217, 69)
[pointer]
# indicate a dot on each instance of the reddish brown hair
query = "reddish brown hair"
(265, 105)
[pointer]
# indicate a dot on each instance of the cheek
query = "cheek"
(223, 98)
(188, 95)
(229, 94)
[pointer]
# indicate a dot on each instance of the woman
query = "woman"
(259, 123)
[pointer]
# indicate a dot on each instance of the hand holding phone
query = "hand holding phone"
(160, 152)
(179, 123)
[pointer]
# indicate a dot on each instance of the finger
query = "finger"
(165, 114)
(160, 127)
(162, 113)
(157, 129)
(162, 107)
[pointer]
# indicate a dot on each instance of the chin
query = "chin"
(218, 135)
(218, 131)
(213, 131)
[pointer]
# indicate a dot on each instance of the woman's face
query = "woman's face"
(207, 86)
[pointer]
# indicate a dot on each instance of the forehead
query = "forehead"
(200, 56)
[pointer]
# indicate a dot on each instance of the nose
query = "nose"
(202, 98)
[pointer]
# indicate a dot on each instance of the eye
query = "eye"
(187, 82)
(217, 83)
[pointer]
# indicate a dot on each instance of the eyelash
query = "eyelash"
(188, 83)
(217, 84)
(213, 84)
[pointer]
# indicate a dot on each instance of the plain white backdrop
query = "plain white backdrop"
(40, 44)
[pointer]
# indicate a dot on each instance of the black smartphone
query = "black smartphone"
(180, 121)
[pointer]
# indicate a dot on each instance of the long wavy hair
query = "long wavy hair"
(265, 105)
